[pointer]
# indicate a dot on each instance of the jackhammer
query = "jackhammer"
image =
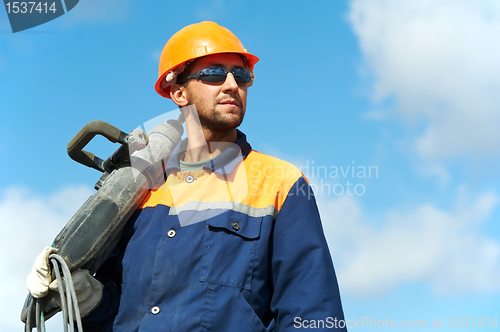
(96, 228)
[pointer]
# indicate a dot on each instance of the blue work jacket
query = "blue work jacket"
(236, 246)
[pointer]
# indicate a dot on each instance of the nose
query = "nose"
(230, 83)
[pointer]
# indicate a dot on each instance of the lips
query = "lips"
(229, 102)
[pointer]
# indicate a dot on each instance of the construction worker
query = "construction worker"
(232, 240)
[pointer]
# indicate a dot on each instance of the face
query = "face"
(220, 106)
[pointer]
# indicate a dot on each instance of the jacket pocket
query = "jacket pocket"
(229, 246)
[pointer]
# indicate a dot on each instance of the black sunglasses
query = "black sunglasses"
(218, 75)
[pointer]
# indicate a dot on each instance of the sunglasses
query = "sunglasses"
(218, 75)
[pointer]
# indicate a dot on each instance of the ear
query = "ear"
(251, 82)
(178, 94)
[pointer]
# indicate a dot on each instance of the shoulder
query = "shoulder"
(271, 167)
(271, 179)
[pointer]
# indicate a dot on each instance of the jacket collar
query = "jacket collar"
(222, 164)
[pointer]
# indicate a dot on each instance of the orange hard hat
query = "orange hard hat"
(195, 41)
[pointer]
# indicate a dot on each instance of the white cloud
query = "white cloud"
(439, 60)
(437, 171)
(29, 222)
(443, 249)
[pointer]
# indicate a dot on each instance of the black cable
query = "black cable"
(40, 322)
(61, 289)
(68, 300)
(69, 293)
(28, 326)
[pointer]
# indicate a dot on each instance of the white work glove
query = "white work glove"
(88, 291)
(39, 279)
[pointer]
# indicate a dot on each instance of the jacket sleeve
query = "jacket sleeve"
(109, 274)
(306, 292)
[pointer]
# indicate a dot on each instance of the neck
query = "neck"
(204, 143)
(228, 136)
(204, 147)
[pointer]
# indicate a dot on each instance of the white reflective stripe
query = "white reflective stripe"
(238, 207)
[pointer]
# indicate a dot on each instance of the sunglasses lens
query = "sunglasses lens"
(213, 75)
(218, 75)
(213, 78)
(242, 75)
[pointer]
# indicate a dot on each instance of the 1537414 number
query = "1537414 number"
(30, 7)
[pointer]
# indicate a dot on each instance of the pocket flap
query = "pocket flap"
(242, 225)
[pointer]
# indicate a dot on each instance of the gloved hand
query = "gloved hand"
(39, 279)
(88, 291)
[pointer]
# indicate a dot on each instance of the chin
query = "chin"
(229, 124)
(231, 118)
(226, 109)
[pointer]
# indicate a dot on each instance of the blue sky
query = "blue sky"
(409, 88)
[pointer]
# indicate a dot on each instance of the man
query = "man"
(232, 240)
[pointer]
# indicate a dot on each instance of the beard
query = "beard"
(213, 119)
(216, 121)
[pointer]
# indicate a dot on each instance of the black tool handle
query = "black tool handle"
(85, 135)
